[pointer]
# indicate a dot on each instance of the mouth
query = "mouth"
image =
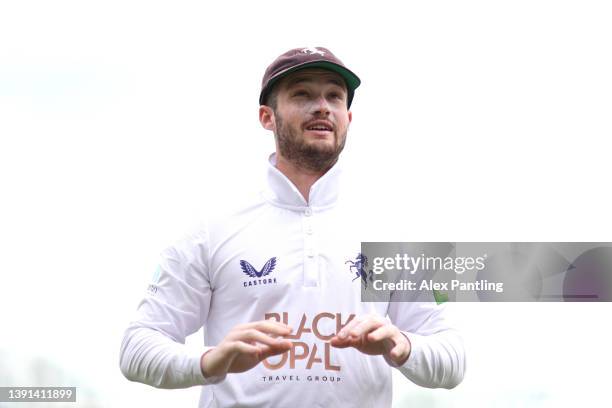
(320, 127)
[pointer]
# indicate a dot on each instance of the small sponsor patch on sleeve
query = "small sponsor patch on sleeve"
(156, 275)
(440, 297)
(152, 288)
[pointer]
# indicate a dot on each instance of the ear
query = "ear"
(350, 116)
(266, 118)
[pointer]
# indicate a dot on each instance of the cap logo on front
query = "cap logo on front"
(313, 50)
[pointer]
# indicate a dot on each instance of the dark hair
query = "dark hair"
(271, 98)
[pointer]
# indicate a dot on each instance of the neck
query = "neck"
(302, 178)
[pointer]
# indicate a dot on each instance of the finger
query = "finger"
(365, 327)
(401, 345)
(267, 326)
(240, 347)
(269, 351)
(348, 327)
(255, 336)
(399, 352)
(341, 346)
(280, 346)
(244, 348)
(270, 323)
(381, 333)
(340, 343)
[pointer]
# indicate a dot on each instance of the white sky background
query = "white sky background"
(122, 121)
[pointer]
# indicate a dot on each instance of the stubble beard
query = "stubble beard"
(311, 157)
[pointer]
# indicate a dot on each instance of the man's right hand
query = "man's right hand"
(244, 347)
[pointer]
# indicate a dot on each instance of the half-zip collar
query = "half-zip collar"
(280, 191)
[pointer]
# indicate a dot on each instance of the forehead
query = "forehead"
(312, 76)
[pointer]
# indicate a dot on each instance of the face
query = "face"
(311, 118)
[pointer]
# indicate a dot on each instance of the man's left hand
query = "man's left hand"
(374, 335)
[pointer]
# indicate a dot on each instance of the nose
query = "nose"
(321, 106)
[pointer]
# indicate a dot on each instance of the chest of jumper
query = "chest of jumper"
(280, 251)
(292, 267)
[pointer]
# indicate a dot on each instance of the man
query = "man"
(284, 324)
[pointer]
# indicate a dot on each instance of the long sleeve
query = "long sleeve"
(175, 305)
(437, 357)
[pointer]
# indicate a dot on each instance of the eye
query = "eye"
(337, 96)
(300, 93)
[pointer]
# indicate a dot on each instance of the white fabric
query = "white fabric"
(202, 283)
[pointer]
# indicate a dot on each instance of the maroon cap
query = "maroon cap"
(311, 57)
